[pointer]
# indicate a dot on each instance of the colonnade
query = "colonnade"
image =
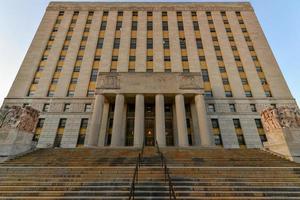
(117, 139)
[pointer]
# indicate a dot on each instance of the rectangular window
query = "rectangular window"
(134, 25)
(50, 93)
(79, 58)
(240, 68)
(236, 123)
(196, 25)
(258, 123)
(165, 26)
(248, 93)
(253, 108)
(258, 69)
(67, 107)
(103, 25)
(36, 80)
(133, 43)
(88, 107)
(232, 107)
(100, 43)
(219, 58)
(208, 94)
(149, 43)
(73, 80)
(97, 58)
(46, 107)
(54, 81)
(199, 43)
(184, 58)
(94, 75)
(228, 93)
(222, 69)
(241, 139)
(149, 25)
(180, 25)
(263, 81)
(118, 25)
(167, 58)
(58, 69)
(268, 93)
(90, 93)
(182, 43)
(225, 81)
(211, 108)
(166, 43)
(237, 58)
(117, 43)
(244, 81)
(76, 69)
(40, 123)
(205, 75)
(202, 58)
(114, 58)
(70, 93)
(149, 58)
(215, 123)
(131, 58)
(62, 123)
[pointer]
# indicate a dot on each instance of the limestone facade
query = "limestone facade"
(122, 74)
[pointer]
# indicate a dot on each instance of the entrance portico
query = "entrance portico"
(159, 107)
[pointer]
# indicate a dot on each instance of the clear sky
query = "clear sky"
(19, 20)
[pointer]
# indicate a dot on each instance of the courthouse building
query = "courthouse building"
(127, 74)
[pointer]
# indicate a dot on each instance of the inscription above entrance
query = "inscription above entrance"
(150, 83)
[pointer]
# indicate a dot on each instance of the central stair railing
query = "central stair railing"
(172, 194)
(136, 173)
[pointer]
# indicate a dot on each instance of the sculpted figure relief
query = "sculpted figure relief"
(281, 117)
(23, 119)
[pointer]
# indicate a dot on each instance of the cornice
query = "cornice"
(143, 6)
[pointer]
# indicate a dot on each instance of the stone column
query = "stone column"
(181, 121)
(96, 121)
(202, 121)
(102, 134)
(139, 119)
(116, 139)
(160, 120)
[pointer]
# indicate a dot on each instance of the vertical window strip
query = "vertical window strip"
(235, 52)
(182, 42)
(218, 51)
(61, 59)
(166, 41)
(149, 60)
(253, 54)
(201, 55)
(97, 56)
(79, 58)
(40, 68)
(133, 34)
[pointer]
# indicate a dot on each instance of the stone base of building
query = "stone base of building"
(286, 142)
(14, 142)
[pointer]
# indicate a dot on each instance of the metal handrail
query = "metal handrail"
(136, 173)
(172, 194)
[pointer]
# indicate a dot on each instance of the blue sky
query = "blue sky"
(19, 20)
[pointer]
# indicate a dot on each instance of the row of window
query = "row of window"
(60, 131)
(232, 108)
(238, 130)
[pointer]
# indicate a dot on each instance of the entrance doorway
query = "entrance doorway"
(149, 124)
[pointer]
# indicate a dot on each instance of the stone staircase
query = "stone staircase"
(106, 173)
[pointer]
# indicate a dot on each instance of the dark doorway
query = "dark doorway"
(149, 124)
